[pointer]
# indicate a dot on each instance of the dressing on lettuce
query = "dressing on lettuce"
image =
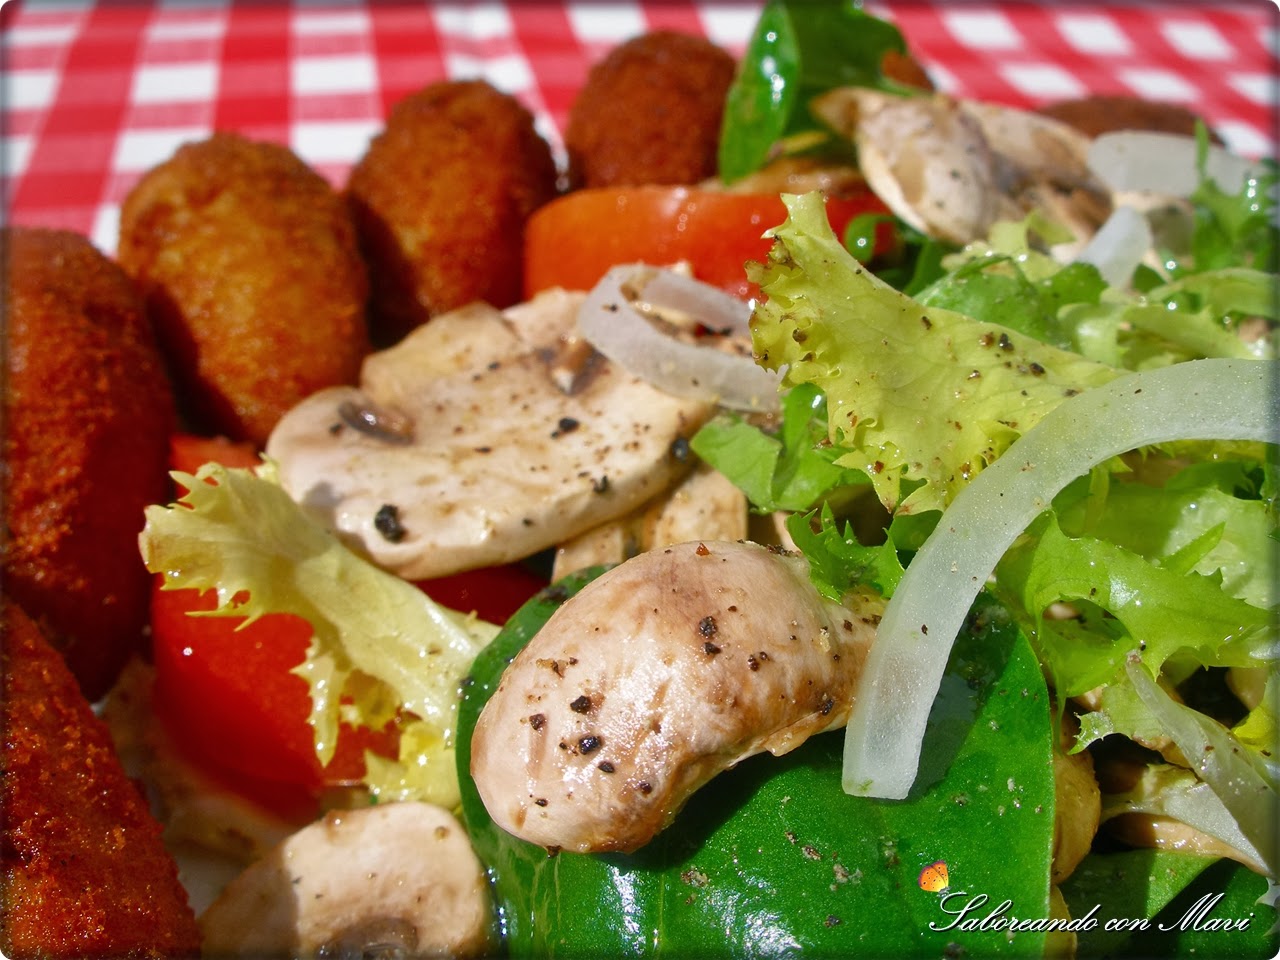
(380, 646)
(1012, 436)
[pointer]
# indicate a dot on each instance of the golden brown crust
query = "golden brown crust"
(88, 412)
(440, 199)
(252, 275)
(85, 872)
(905, 69)
(650, 112)
(1105, 113)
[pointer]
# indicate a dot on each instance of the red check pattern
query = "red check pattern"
(95, 94)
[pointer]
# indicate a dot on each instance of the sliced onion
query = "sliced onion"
(1197, 400)
(1142, 161)
(1119, 245)
(611, 320)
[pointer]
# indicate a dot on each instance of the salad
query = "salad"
(1039, 466)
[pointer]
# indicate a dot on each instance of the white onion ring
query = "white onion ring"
(1143, 161)
(610, 322)
(1119, 245)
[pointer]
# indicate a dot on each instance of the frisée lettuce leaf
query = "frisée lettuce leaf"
(920, 398)
(380, 645)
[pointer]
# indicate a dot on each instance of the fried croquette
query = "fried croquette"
(905, 69)
(88, 411)
(650, 112)
(1107, 113)
(85, 872)
(440, 199)
(251, 271)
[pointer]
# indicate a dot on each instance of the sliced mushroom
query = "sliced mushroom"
(952, 168)
(705, 505)
(658, 675)
(394, 880)
(1077, 803)
(482, 438)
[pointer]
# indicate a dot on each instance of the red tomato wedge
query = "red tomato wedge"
(232, 700)
(227, 689)
(493, 593)
(573, 240)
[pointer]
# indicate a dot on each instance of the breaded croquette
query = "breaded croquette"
(650, 112)
(440, 199)
(1106, 113)
(88, 411)
(251, 271)
(84, 871)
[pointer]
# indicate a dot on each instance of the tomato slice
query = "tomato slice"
(572, 241)
(493, 593)
(228, 693)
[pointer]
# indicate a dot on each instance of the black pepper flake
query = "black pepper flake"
(707, 627)
(710, 649)
(589, 744)
(1036, 370)
(752, 663)
(1005, 342)
(827, 706)
(538, 721)
(581, 704)
(387, 522)
(928, 324)
(600, 485)
(604, 766)
(645, 787)
(335, 429)
(566, 425)
(541, 801)
(680, 449)
(831, 921)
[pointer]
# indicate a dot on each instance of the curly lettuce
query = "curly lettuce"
(380, 648)
(920, 398)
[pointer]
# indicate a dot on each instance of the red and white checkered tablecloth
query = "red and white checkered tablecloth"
(94, 93)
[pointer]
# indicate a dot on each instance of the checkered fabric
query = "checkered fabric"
(94, 93)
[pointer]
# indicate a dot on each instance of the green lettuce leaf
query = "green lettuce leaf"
(378, 640)
(1157, 610)
(838, 563)
(788, 469)
(915, 394)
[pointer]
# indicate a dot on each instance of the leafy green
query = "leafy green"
(1157, 610)
(378, 640)
(914, 393)
(838, 563)
(1238, 776)
(789, 469)
(1232, 230)
(772, 859)
(1212, 506)
(798, 50)
(1165, 790)
(1141, 900)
